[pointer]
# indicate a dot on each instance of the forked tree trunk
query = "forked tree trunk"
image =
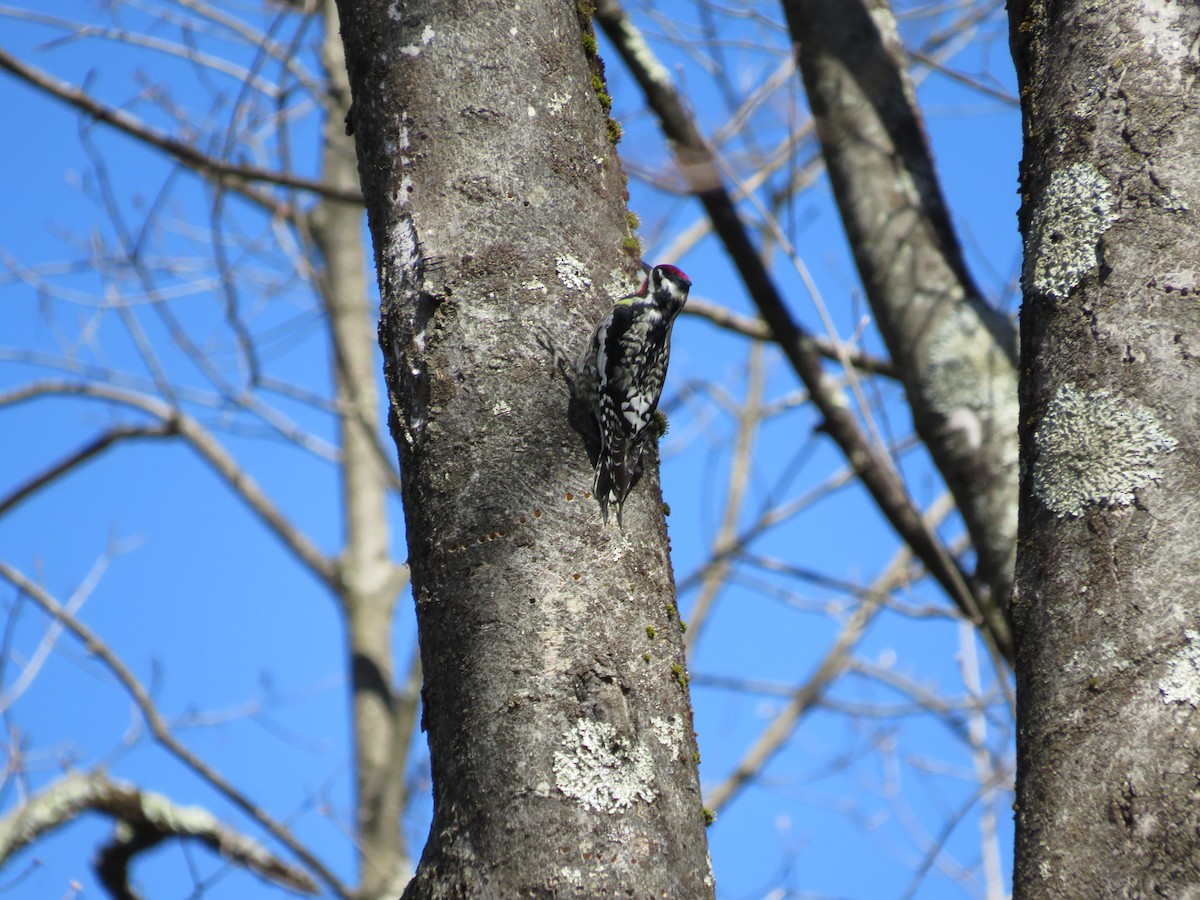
(556, 698)
(956, 355)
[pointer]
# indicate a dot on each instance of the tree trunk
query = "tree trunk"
(1107, 605)
(555, 694)
(956, 355)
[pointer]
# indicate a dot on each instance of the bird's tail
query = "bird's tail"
(615, 472)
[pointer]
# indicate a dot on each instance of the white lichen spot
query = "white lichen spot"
(668, 731)
(501, 408)
(531, 112)
(542, 789)
(513, 31)
(599, 162)
(402, 245)
(1044, 869)
(412, 50)
(1111, 659)
(619, 285)
(1172, 202)
(601, 770)
(534, 285)
(971, 379)
(1182, 681)
(557, 102)
(1094, 448)
(1074, 213)
(572, 273)
(394, 13)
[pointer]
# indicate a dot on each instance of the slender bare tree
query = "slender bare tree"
(362, 578)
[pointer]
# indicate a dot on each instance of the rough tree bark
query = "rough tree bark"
(1107, 604)
(555, 696)
(956, 356)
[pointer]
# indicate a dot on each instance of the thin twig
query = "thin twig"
(181, 150)
(698, 164)
(162, 734)
(759, 330)
(209, 448)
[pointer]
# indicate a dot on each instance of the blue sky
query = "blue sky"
(215, 617)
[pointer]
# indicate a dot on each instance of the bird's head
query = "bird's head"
(666, 284)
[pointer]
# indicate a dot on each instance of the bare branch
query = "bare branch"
(749, 418)
(876, 471)
(758, 330)
(834, 663)
(938, 844)
(77, 31)
(53, 631)
(204, 443)
(148, 819)
(927, 59)
(181, 150)
(92, 448)
(160, 731)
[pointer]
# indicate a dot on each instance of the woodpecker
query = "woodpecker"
(622, 375)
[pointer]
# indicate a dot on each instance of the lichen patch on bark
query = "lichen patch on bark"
(1096, 449)
(971, 380)
(1182, 681)
(1066, 229)
(602, 771)
(572, 273)
(668, 731)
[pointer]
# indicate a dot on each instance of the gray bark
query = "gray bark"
(955, 355)
(1107, 605)
(555, 694)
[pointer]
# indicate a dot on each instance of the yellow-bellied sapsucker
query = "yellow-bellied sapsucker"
(621, 375)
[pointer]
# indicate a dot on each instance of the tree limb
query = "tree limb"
(143, 819)
(874, 468)
(158, 727)
(957, 355)
(181, 150)
(203, 442)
